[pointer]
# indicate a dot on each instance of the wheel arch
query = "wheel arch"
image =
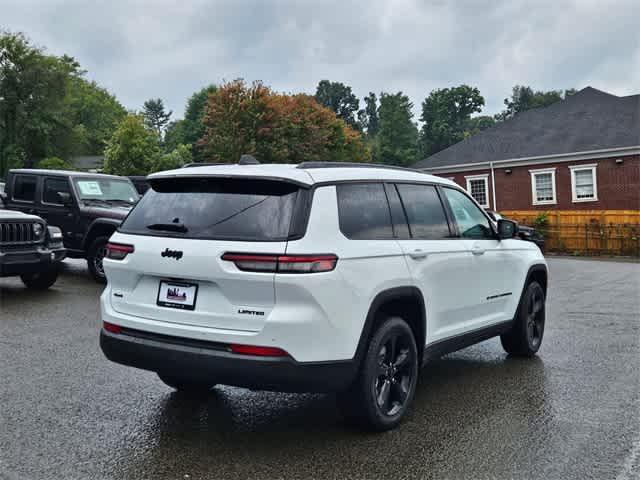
(406, 302)
(100, 227)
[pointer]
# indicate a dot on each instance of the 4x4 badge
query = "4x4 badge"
(177, 254)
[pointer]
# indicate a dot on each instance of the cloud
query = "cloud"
(141, 49)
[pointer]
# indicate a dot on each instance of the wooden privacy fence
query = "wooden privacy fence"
(601, 232)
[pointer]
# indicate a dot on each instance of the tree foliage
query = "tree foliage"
(55, 163)
(274, 127)
(133, 149)
(397, 134)
(178, 157)
(33, 87)
(155, 116)
(525, 98)
(446, 116)
(339, 98)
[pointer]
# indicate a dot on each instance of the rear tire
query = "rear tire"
(95, 255)
(41, 280)
(186, 385)
(386, 384)
(525, 338)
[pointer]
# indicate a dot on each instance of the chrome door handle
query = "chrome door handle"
(476, 250)
(418, 254)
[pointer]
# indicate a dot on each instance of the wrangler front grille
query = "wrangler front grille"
(17, 233)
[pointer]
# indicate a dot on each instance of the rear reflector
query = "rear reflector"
(250, 262)
(118, 251)
(258, 351)
(110, 327)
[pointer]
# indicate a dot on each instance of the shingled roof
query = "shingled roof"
(588, 120)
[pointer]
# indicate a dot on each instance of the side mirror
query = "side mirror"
(65, 198)
(507, 228)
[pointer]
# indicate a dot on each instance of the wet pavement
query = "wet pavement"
(572, 412)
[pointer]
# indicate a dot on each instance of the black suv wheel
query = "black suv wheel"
(525, 337)
(95, 255)
(186, 385)
(40, 280)
(386, 385)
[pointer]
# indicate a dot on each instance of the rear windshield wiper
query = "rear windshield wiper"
(168, 227)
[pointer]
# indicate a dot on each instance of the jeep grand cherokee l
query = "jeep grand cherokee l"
(314, 278)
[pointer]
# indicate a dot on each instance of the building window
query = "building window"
(543, 186)
(584, 187)
(478, 188)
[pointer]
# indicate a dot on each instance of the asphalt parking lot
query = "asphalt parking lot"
(572, 412)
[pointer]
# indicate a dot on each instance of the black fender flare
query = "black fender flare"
(113, 223)
(380, 299)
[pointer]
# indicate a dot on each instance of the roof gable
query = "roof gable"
(588, 120)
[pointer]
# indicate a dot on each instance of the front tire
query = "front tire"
(384, 389)
(186, 385)
(95, 256)
(525, 338)
(40, 280)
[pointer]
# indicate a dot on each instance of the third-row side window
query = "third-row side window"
(364, 211)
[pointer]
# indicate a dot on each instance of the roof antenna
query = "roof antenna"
(246, 159)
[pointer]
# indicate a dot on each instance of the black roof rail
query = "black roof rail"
(246, 159)
(308, 165)
(202, 164)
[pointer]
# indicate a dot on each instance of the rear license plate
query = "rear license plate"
(177, 295)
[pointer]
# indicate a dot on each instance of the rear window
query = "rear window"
(24, 188)
(210, 208)
(364, 211)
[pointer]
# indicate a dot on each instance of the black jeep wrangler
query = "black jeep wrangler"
(87, 207)
(30, 249)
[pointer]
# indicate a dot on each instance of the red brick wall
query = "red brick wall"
(618, 185)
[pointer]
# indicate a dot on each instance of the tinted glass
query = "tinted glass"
(364, 211)
(53, 186)
(24, 188)
(472, 223)
(426, 215)
(398, 218)
(230, 209)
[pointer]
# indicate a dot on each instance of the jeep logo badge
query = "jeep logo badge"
(177, 254)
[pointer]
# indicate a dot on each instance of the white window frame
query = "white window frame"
(484, 177)
(534, 193)
(574, 195)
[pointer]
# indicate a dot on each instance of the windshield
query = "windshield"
(106, 190)
(238, 209)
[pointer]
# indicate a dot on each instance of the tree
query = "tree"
(94, 109)
(55, 163)
(180, 156)
(397, 135)
(192, 127)
(133, 149)
(446, 115)
(274, 127)
(477, 124)
(33, 87)
(524, 98)
(339, 98)
(174, 135)
(371, 112)
(155, 116)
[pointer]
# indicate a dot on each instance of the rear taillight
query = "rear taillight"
(255, 262)
(110, 327)
(258, 351)
(118, 251)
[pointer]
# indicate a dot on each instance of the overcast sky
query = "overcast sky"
(169, 49)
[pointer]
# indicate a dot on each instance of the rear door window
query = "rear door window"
(363, 211)
(24, 188)
(210, 208)
(427, 220)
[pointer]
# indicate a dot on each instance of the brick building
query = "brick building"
(582, 153)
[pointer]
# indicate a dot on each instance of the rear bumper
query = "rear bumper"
(29, 260)
(213, 361)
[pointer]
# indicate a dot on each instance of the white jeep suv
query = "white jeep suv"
(314, 277)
